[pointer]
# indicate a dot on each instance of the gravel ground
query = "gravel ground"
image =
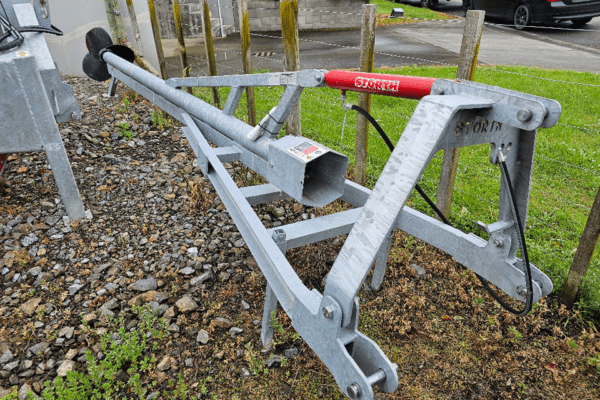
(157, 234)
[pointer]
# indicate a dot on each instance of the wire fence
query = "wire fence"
(547, 198)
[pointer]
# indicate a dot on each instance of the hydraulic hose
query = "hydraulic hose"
(515, 211)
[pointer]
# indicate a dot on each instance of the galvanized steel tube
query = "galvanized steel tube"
(229, 126)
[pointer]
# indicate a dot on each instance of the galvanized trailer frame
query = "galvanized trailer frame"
(33, 99)
(458, 114)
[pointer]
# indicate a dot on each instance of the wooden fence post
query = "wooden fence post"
(134, 25)
(583, 255)
(181, 40)
(115, 21)
(367, 59)
(119, 34)
(157, 42)
(469, 51)
(247, 58)
(289, 33)
(209, 49)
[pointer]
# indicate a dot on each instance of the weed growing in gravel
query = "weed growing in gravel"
(161, 119)
(125, 131)
(594, 362)
(122, 348)
(515, 333)
(246, 177)
(256, 365)
(280, 334)
(125, 107)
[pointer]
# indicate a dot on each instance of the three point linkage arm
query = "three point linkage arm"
(450, 114)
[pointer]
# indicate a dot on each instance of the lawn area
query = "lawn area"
(566, 172)
(384, 9)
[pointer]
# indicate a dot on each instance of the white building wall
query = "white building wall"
(76, 17)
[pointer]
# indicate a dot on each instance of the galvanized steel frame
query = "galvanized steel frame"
(34, 98)
(458, 115)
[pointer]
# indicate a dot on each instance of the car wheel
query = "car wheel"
(522, 17)
(429, 3)
(578, 23)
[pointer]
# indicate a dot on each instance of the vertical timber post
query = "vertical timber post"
(469, 51)
(115, 21)
(119, 34)
(247, 57)
(583, 255)
(289, 33)
(181, 40)
(134, 24)
(157, 42)
(367, 59)
(209, 49)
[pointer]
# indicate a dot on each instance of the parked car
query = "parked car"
(526, 12)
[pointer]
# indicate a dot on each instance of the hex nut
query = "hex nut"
(328, 312)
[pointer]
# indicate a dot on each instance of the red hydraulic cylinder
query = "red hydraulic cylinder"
(408, 87)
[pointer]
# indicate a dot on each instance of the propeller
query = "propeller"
(97, 41)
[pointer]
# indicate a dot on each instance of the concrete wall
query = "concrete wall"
(264, 15)
(76, 17)
(312, 15)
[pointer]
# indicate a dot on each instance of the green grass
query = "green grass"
(384, 9)
(566, 172)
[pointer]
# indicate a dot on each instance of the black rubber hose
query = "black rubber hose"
(389, 144)
(11, 31)
(524, 253)
(40, 29)
(515, 211)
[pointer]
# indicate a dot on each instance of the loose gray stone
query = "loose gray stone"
(66, 366)
(6, 357)
(235, 331)
(202, 337)
(419, 272)
(201, 279)
(144, 285)
(291, 352)
(245, 306)
(11, 366)
(187, 271)
(29, 240)
(26, 393)
(66, 332)
(272, 361)
(39, 348)
(164, 364)
(74, 288)
(186, 304)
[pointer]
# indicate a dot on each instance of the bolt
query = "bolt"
(328, 312)
(522, 291)
(353, 391)
(524, 115)
(498, 242)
